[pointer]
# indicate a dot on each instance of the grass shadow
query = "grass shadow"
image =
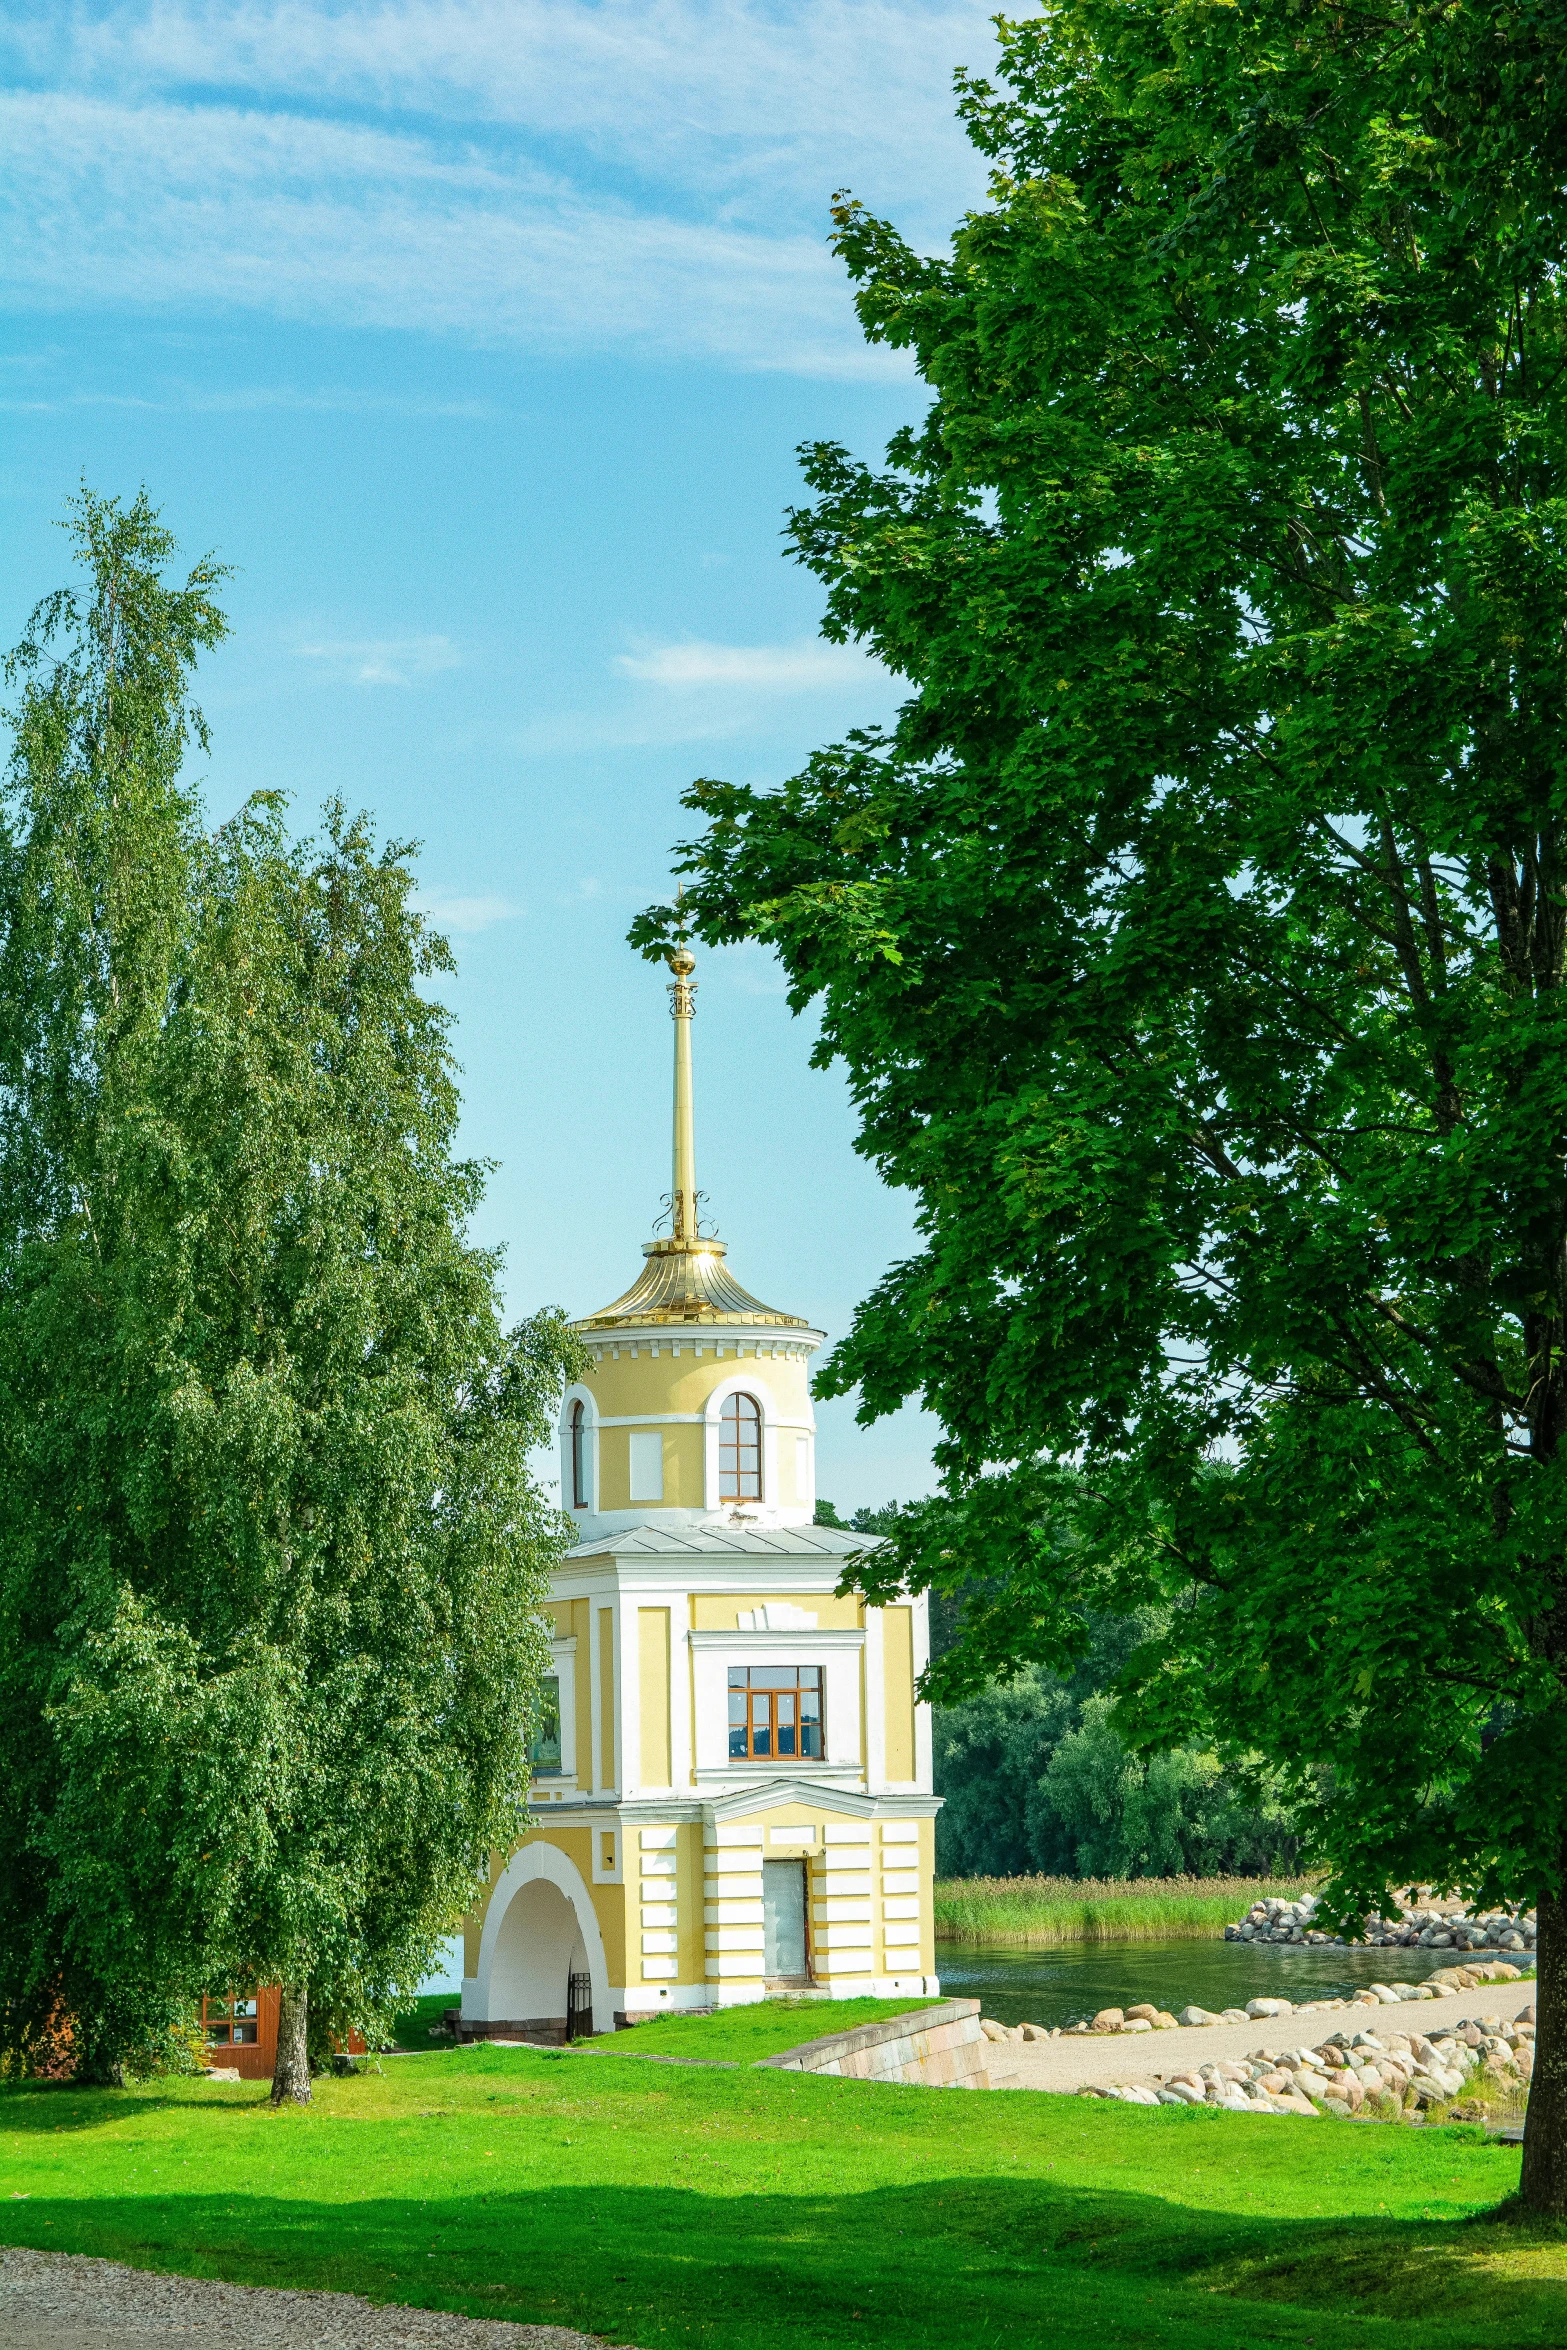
(949, 2264)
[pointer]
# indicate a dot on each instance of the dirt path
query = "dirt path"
(1102, 2059)
(59, 2301)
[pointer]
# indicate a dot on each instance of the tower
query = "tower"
(732, 1769)
(697, 1404)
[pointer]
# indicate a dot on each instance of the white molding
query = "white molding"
(875, 1702)
(645, 1464)
(744, 1341)
(811, 1644)
(779, 1573)
(805, 1428)
(924, 1760)
(609, 1606)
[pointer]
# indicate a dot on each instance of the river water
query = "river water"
(1056, 1986)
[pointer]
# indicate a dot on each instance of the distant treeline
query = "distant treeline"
(1037, 1783)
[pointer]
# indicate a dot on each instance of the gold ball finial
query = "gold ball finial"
(682, 962)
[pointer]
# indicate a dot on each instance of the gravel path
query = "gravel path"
(59, 2301)
(1103, 2058)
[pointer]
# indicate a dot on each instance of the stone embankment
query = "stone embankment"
(1385, 2073)
(1421, 1924)
(1370, 2064)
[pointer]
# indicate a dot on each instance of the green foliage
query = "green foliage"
(1157, 1815)
(270, 1553)
(1035, 1779)
(1195, 942)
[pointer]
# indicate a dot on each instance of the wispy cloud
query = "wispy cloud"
(650, 174)
(808, 666)
(398, 660)
(448, 911)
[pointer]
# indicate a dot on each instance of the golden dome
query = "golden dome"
(687, 1285)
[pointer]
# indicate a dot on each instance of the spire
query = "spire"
(685, 1279)
(682, 1010)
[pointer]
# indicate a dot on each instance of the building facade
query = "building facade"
(732, 1772)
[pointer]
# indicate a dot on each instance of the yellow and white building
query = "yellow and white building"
(733, 1775)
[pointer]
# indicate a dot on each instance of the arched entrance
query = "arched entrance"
(539, 1932)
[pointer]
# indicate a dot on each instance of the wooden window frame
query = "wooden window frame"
(220, 2018)
(732, 1447)
(764, 1702)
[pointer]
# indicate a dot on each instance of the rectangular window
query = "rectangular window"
(647, 1464)
(544, 1745)
(775, 1713)
(230, 2023)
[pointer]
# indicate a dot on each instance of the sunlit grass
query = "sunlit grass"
(716, 2209)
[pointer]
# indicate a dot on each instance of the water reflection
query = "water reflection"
(1056, 1986)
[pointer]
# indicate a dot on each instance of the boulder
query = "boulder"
(1148, 2013)
(1267, 2007)
(1137, 2023)
(991, 2029)
(1197, 2015)
(1109, 2019)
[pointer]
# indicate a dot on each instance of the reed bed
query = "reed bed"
(1039, 1911)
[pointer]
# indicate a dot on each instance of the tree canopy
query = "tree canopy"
(270, 1552)
(1195, 940)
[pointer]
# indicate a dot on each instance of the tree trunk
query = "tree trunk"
(291, 2072)
(1542, 2191)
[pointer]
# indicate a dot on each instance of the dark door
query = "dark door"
(783, 1916)
(579, 2007)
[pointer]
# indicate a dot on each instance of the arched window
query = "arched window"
(579, 1457)
(740, 1449)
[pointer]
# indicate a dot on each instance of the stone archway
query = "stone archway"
(539, 1930)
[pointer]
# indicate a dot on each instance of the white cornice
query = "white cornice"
(654, 1338)
(830, 1636)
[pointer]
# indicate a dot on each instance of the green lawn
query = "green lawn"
(740, 2035)
(413, 2025)
(660, 2204)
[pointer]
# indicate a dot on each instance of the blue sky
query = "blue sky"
(478, 335)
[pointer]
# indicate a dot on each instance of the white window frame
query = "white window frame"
(563, 1664)
(839, 1654)
(589, 1508)
(712, 1417)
